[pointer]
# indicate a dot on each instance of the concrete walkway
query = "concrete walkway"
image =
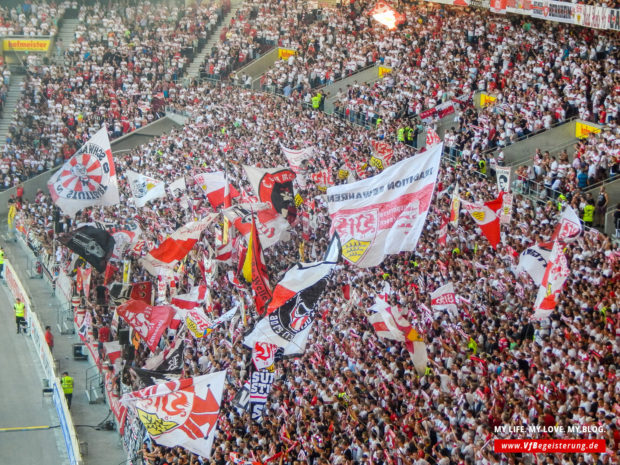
(23, 404)
(99, 447)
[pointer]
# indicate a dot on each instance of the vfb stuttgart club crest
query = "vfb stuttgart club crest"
(357, 231)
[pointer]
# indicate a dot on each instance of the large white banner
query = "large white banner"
(87, 178)
(503, 178)
(384, 214)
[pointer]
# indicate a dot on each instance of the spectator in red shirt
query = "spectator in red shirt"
(49, 337)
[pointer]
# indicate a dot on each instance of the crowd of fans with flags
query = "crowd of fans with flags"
(354, 396)
(504, 312)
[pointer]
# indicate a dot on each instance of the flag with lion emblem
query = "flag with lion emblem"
(182, 412)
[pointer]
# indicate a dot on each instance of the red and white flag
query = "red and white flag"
(148, 321)
(182, 412)
(383, 150)
(271, 226)
(195, 320)
(214, 186)
(386, 15)
(263, 355)
(486, 216)
(384, 214)
(194, 298)
(273, 185)
(323, 178)
(112, 350)
(177, 246)
(444, 299)
(443, 230)
(431, 137)
(555, 276)
(569, 227)
(390, 323)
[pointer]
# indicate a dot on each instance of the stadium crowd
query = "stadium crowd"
(121, 70)
(354, 398)
(32, 18)
(439, 54)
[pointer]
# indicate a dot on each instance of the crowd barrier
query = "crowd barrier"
(129, 427)
(596, 17)
(37, 337)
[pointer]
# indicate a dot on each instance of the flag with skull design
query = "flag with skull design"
(93, 244)
(293, 305)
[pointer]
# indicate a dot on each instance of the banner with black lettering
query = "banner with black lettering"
(384, 214)
(533, 260)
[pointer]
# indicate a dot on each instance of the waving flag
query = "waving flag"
(88, 178)
(569, 228)
(556, 274)
(194, 298)
(271, 227)
(383, 150)
(144, 188)
(214, 186)
(296, 159)
(177, 246)
(196, 321)
(263, 355)
(444, 299)
(455, 207)
(390, 323)
(177, 188)
(323, 178)
(443, 230)
(254, 271)
(181, 413)
(93, 244)
(431, 137)
(486, 217)
(384, 214)
(295, 297)
(274, 185)
(386, 15)
(534, 260)
(149, 322)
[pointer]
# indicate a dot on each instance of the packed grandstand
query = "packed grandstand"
(332, 287)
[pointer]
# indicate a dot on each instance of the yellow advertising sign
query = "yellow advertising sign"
(583, 130)
(26, 45)
(284, 53)
(486, 100)
(383, 70)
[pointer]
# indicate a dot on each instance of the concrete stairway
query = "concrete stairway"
(12, 99)
(193, 70)
(66, 35)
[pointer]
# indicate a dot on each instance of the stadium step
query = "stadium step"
(66, 35)
(193, 70)
(12, 100)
